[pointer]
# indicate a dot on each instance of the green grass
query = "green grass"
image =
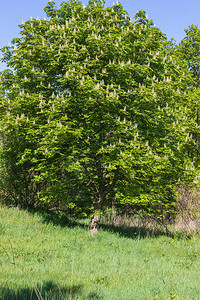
(43, 257)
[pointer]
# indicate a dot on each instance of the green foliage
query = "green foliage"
(188, 49)
(94, 110)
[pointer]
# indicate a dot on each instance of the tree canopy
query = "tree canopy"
(188, 49)
(95, 111)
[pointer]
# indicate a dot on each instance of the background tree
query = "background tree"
(94, 104)
(189, 49)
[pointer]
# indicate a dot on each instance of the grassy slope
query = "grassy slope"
(64, 262)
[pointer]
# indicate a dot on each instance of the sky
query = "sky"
(170, 16)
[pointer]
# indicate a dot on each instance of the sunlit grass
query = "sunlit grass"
(53, 260)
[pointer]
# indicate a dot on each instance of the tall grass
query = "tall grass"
(43, 256)
(187, 220)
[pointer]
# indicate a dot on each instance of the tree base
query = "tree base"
(94, 226)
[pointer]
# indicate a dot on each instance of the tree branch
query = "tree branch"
(112, 185)
(90, 178)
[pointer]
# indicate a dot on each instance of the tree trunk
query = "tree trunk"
(103, 191)
(94, 225)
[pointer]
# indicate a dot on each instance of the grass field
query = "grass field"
(46, 257)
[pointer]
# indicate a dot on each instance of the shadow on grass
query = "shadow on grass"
(132, 232)
(48, 291)
(50, 217)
